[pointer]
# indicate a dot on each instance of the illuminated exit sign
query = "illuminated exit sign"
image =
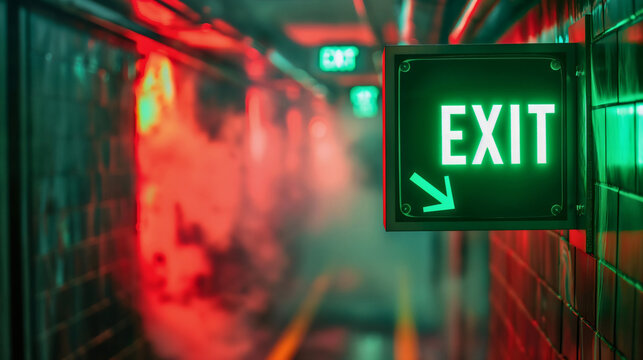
(338, 58)
(480, 137)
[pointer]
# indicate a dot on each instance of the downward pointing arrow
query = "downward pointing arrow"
(446, 201)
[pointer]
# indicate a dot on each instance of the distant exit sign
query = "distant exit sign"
(480, 137)
(338, 58)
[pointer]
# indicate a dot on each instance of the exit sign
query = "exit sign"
(338, 58)
(480, 137)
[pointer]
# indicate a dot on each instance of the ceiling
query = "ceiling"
(290, 32)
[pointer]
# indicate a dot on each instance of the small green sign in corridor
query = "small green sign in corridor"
(479, 137)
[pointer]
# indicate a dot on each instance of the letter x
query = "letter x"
(487, 142)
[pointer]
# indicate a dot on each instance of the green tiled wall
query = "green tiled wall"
(603, 319)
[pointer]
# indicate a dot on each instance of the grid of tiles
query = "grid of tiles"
(82, 190)
(551, 299)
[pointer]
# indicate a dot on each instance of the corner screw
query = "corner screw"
(555, 65)
(405, 67)
(556, 209)
(406, 209)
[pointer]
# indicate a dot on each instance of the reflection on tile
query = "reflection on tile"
(607, 353)
(621, 148)
(630, 235)
(630, 58)
(597, 17)
(598, 120)
(604, 70)
(638, 326)
(616, 11)
(586, 343)
(570, 333)
(624, 326)
(566, 272)
(639, 147)
(586, 286)
(606, 295)
(550, 316)
(606, 217)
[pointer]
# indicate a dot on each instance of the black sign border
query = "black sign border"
(393, 221)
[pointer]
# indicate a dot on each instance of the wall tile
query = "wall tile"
(630, 235)
(566, 273)
(550, 316)
(550, 259)
(639, 147)
(624, 326)
(638, 326)
(597, 17)
(621, 148)
(604, 70)
(578, 239)
(606, 351)
(630, 58)
(586, 286)
(569, 333)
(616, 11)
(587, 342)
(606, 302)
(606, 222)
(600, 141)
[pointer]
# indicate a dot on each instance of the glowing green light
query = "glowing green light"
(541, 112)
(639, 126)
(515, 134)
(486, 141)
(364, 100)
(448, 135)
(338, 58)
(446, 201)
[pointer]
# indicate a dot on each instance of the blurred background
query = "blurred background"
(201, 179)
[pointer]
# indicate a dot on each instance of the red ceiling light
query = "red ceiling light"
(207, 38)
(324, 34)
(155, 14)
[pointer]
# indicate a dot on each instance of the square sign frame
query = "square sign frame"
(395, 220)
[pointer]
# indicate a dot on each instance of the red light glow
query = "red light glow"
(153, 13)
(317, 127)
(218, 36)
(190, 197)
(324, 34)
(207, 38)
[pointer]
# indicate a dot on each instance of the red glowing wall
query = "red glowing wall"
(220, 179)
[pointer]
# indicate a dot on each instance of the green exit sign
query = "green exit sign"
(338, 58)
(480, 137)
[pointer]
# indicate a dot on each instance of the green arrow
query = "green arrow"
(446, 201)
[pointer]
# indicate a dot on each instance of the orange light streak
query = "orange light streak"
(406, 338)
(291, 339)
